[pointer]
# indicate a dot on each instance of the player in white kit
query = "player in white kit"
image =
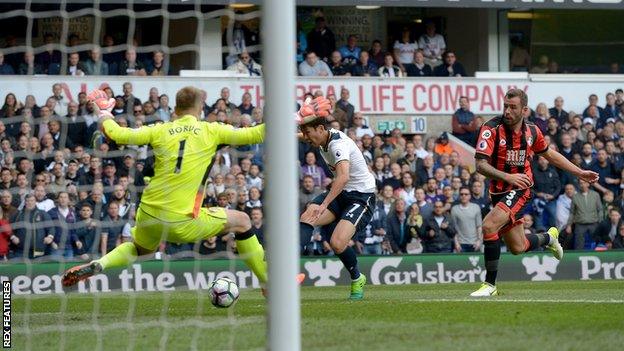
(350, 202)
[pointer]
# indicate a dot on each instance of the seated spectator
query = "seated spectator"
(419, 68)
(312, 169)
(94, 64)
(607, 231)
(74, 66)
(376, 53)
(520, 59)
(313, 67)
(404, 51)
(365, 67)
(158, 66)
(111, 55)
(542, 65)
(553, 67)
(246, 65)
(389, 69)
(336, 65)
(131, 66)
(439, 233)
(5, 69)
(350, 52)
(29, 66)
(450, 67)
(433, 45)
(49, 57)
(442, 146)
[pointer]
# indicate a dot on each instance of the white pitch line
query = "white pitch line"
(141, 325)
(498, 299)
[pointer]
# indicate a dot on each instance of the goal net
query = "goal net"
(70, 194)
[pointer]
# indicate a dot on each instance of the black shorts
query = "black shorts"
(352, 206)
(515, 203)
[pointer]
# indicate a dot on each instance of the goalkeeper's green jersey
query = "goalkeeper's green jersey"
(184, 150)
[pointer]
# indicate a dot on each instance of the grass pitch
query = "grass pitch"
(570, 315)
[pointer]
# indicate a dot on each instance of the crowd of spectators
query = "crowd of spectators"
(68, 192)
(108, 59)
(427, 56)
(317, 55)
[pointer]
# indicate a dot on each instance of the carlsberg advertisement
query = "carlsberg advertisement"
(44, 278)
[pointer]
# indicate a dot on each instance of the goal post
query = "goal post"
(278, 31)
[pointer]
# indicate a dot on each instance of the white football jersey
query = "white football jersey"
(340, 148)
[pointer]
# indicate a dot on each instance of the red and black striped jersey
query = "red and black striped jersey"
(509, 151)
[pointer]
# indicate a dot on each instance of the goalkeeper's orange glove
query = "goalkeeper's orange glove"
(102, 105)
(313, 109)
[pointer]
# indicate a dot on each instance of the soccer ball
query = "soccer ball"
(223, 292)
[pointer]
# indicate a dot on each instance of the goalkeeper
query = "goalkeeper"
(170, 208)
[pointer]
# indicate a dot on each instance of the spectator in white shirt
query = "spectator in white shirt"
(389, 69)
(360, 128)
(433, 45)
(564, 204)
(404, 51)
(43, 203)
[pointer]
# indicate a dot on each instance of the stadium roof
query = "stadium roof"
(509, 4)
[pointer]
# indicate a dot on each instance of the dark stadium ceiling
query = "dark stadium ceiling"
(509, 4)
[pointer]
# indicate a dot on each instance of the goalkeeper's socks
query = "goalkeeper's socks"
(349, 260)
(252, 253)
(121, 256)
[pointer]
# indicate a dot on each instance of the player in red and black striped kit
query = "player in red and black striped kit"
(505, 148)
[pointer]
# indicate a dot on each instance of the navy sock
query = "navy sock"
(537, 240)
(491, 253)
(349, 260)
(305, 235)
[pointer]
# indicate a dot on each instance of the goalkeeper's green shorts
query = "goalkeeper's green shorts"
(150, 230)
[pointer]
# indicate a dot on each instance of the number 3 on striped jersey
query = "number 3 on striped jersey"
(355, 207)
(178, 166)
